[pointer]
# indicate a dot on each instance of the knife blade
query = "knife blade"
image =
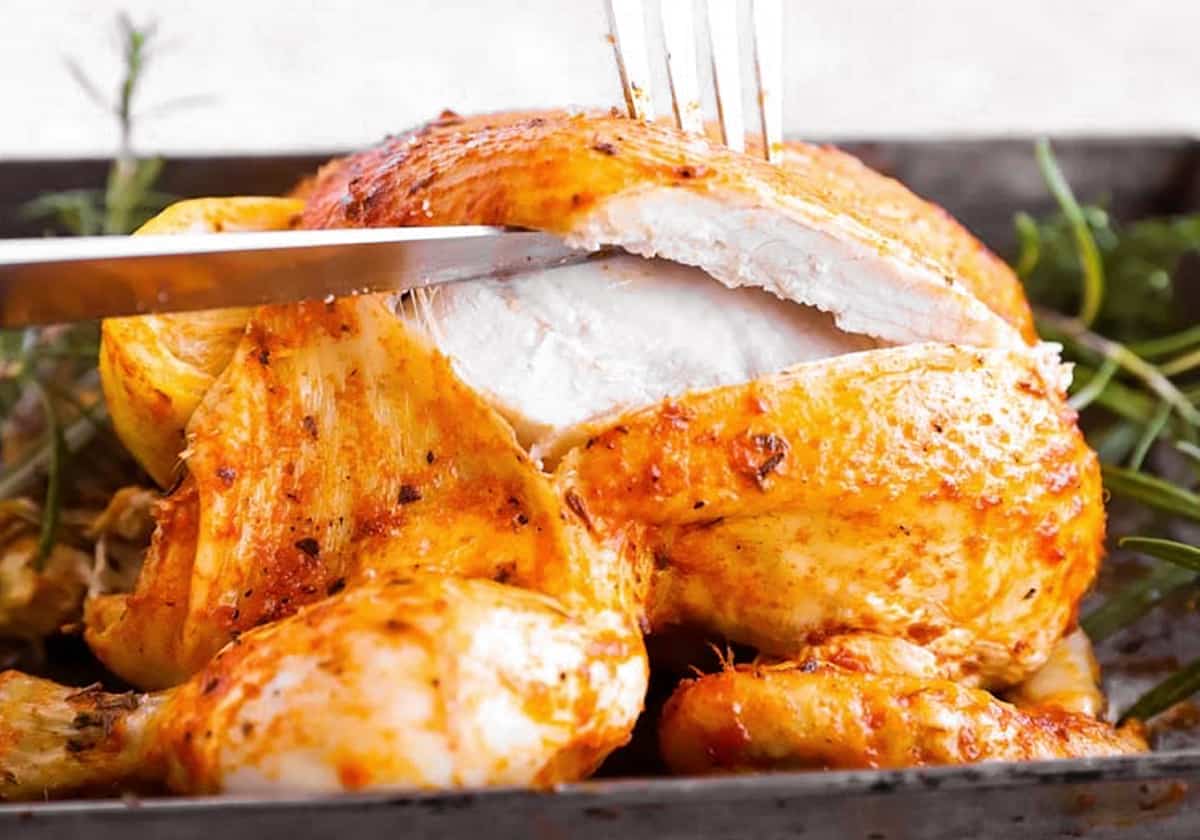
(46, 281)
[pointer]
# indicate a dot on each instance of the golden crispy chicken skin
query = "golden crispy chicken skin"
(155, 369)
(336, 445)
(824, 231)
(936, 494)
(818, 715)
(419, 682)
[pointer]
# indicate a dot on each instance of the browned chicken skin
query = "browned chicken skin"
(930, 493)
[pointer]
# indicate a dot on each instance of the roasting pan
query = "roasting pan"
(982, 182)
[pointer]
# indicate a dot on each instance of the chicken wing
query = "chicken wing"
(155, 369)
(814, 715)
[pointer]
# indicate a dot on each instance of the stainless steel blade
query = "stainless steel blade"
(45, 281)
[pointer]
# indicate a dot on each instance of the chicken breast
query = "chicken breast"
(569, 345)
(822, 232)
(421, 682)
(554, 349)
(816, 715)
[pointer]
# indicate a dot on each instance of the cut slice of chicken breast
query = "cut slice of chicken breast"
(827, 234)
(556, 348)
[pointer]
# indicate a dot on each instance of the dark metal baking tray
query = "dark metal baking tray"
(982, 182)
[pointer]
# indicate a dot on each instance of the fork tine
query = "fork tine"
(723, 38)
(768, 67)
(627, 24)
(679, 33)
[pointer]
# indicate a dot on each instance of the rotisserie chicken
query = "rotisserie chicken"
(416, 541)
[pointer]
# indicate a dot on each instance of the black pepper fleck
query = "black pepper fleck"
(408, 494)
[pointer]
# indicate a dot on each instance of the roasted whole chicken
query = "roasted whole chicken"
(417, 541)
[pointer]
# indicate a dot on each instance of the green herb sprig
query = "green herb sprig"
(1136, 363)
(50, 406)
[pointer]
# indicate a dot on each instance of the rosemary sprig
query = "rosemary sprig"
(1156, 348)
(1074, 332)
(52, 504)
(1149, 435)
(128, 198)
(53, 369)
(1096, 385)
(1122, 400)
(1089, 255)
(1154, 492)
(1182, 364)
(1189, 449)
(1172, 551)
(1134, 352)
(1179, 686)
(1127, 605)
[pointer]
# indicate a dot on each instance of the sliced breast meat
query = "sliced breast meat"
(554, 349)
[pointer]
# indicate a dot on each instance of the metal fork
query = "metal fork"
(627, 22)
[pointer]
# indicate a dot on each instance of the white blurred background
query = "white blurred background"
(288, 75)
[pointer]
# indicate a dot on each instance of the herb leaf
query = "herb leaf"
(1179, 686)
(1137, 350)
(1181, 554)
(1092, 292)
(53, 500)
(1151, 491)
(1126, 606)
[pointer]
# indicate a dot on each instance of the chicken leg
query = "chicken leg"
(421, 682)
